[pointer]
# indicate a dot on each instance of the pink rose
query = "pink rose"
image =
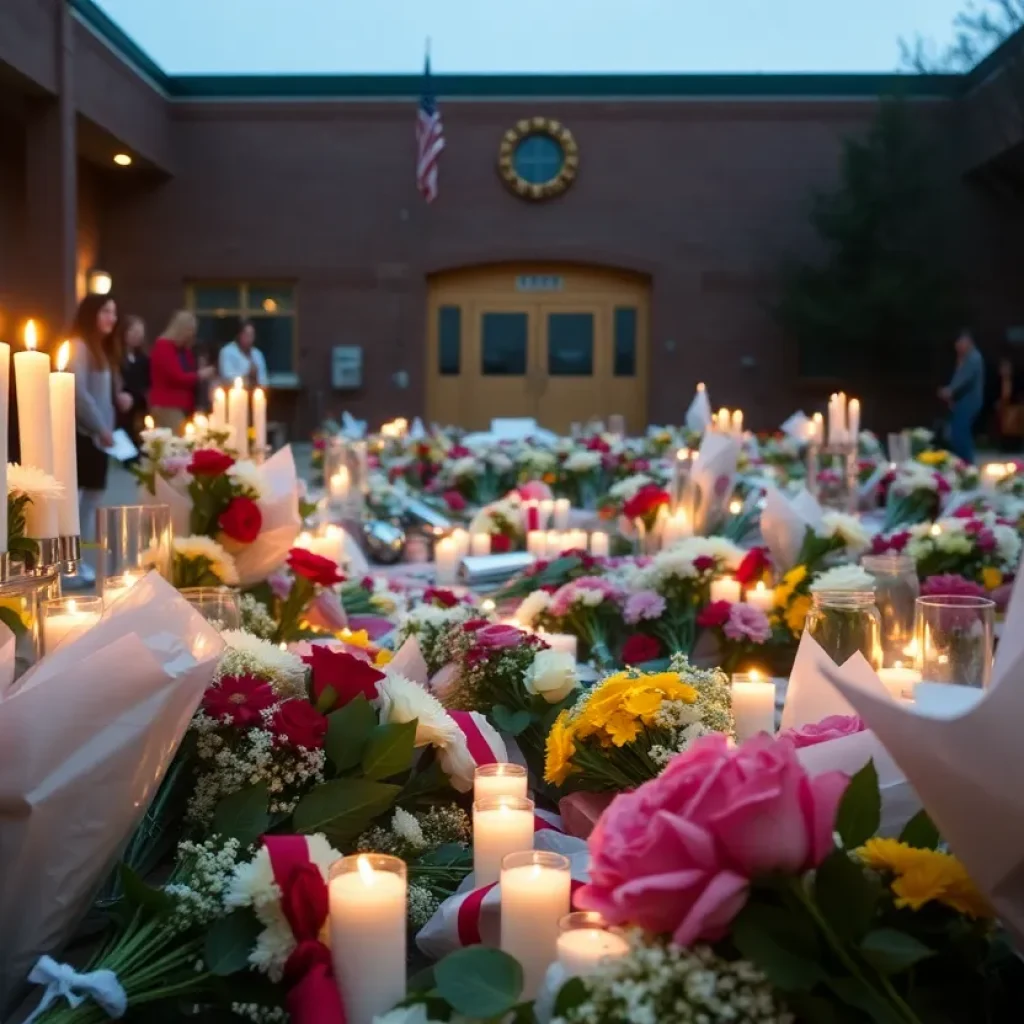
(534, 490)
(498, 637)
(677, 855)
(834, 727)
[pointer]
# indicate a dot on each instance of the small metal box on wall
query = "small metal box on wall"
(347, 367)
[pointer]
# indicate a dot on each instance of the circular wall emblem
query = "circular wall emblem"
(538, 158)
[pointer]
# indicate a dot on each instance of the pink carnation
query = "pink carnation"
(950, 584)
(580, 592)
(646, 604)
(747, 623)
(677, 855)
(535, 490)
(835, 727)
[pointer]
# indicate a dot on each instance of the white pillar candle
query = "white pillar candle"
(259, 418)
(853, 424)
(761, 597)
(339, 484)
(900, 681)
(599, 545)
(737, 422)
(554, 543)
(497, 780)
(461, 539)
(535, 894)
(219, 415)
(5, 385)
(726, 589)
(480, 544)
(189, 431)
(565, 642)
(677, 527)
(368, 934)
(585, 944)
(447, 558)
(238, 417)
(561, 512)
(31, 377)
(537, 543)
(68, 617)
(753, 705)
(818, 428)
(333, 543)
(546, 510)
(501, 825)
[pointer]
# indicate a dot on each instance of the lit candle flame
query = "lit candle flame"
(700, 387)
(487, 606)
(72, 606)
(31, 335)
(366, 871)
(760, 587)
(755, 676)
(735, 506)
(63, 355)
(149, 422)
(935, 530)
(239, 386)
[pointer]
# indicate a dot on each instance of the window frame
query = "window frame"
(245, 312)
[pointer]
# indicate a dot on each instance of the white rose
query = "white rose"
(843, 577)
(552, 675)
(532, 606)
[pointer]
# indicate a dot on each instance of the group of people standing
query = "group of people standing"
(118, 382)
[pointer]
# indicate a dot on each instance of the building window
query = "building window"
(449, 341)
(538, 159)
(504, 340)
(221, 306)
(570, 344)
(625, 341)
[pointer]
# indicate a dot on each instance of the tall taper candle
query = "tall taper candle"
(219, 415)
(31, 378)
(5, 390)
(62, 420)
(259, 418)
(238, 417)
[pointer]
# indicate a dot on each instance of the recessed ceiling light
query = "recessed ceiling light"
(122, 160)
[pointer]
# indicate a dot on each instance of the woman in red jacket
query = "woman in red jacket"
(173, 374)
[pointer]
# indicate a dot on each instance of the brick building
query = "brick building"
(293, 200)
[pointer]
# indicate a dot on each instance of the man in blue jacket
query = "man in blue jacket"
(965, 395)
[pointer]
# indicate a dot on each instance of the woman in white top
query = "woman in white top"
(241, 358)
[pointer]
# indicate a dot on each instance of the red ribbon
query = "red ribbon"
(313, 996)
(479, 748)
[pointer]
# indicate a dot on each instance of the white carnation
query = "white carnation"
(843, 577)
(531, 608)
(849, 529)
(582, 462)
(249, 478)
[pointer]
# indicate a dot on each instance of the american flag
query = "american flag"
(429, 138)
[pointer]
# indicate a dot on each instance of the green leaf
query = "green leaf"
(12, 620)
(229, 941)
(781, 943)
(140, 895)
(479, 982)
(348, 730)
(448, 855)
(422, 981)
(570, 995)
(512, 722)
(846, 894)
(423, 783)
(390, 750)
(860, 810)
(920, 832)
(892, 952)
(343, 808)
(243, 815)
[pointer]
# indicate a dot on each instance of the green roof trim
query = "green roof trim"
(502, 86)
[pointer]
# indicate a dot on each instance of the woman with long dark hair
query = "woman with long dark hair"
(95, 362)
(131, 341)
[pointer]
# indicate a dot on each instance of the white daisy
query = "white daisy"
(222, 565)
(31, 481)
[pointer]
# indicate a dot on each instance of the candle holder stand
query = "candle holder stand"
(832, 475)
(69, 550)
(22, 594)
(47, 558)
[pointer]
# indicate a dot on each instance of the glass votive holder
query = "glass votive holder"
(502, 779)
(955, 639)
(753, 704)
(844, 622)
(133, 538)
(501, 825)
(535, 896)
(220, 606)
(897, 589)
(586, 943)
(115, 587)
(65, 618)
(367, 923)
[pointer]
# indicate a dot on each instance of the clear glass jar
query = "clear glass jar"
(844, 622)
(955, 638)
(897, 589)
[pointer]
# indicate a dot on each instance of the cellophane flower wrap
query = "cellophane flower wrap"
(915, 494)
(551, 573)
(429, 622)
(88, 734)
(588, 608)
(627, 728)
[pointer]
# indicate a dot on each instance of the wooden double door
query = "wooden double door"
(556, 344)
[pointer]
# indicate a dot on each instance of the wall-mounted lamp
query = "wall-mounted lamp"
(123, 159)
(99, 282)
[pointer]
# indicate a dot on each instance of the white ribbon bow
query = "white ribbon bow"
(63, 981)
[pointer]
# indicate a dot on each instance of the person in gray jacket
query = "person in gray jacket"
(965, 394)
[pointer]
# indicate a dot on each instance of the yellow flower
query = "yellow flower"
(360, 638)
(383, 658)
(796, 613)
(785, 590)
(888, 855)
(560, 747)
(991, 578)
(642, 704)
(622, 728)
(932, 458)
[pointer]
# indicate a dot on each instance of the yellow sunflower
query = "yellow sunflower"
(932, 458)
(560, 747)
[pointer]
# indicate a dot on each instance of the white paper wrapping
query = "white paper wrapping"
(86, 738)
(698, 416)
(784, 524)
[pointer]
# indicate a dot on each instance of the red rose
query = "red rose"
(240, 698)
(314, 567)
(209, 462)
(440, 597)
(640, 648)
(455, 501)
(598, 444)
(704, 563)
(459, 451)
(714, 615)
(647, 500)
(752, 568)
(500, 543)
(344, 673)
(297, 723)
(241, 520)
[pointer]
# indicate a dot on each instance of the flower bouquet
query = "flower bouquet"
(588, 608)
(503, 521)
(915, 493)
(740, 629)
(582, 473)
(983, 549)
(550, 574)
